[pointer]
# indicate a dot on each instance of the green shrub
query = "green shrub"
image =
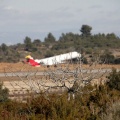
(114, 80)
(3, 93)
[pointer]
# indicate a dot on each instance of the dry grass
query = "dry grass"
(17, 67)
(15, 81)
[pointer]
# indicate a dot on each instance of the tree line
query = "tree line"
(85, 43)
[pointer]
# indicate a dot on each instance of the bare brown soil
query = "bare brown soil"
(17, 67)
(17, 86)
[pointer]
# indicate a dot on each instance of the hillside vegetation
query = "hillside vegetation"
(107, 46)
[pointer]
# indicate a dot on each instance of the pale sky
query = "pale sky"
(36, 18)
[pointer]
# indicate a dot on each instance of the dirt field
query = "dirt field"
(20, 87)
(17, 67)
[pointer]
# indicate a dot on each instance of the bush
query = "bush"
(113, 112)
(107, 58)
(3, 93)
(114, 80)
(49, 54)
(117, 61)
